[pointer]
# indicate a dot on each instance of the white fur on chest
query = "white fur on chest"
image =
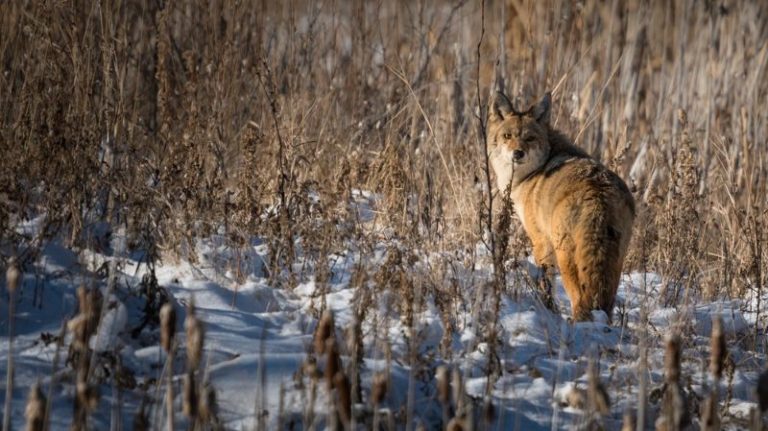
(518, 204)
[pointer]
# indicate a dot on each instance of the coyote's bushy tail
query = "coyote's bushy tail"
(599, 257)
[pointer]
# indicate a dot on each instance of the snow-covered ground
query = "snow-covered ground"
(257, 338)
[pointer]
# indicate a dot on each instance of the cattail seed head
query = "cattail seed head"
(12, 276)
(672, 359)
(88, 395)
(597, 393)
(190, 403)
(35, 410)
(325, 330)
(343, 389)
(710, 419)
(443, 384)
(207, 407)
(576, 398)
(379, 390)
(310, 368)
(456, 424)
(167, 326)
(195, 337)
(628, 421)
(602, 400)
(333, 362)
(718, 348)
(85, 323)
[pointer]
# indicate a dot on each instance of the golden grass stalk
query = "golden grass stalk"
(12, 278)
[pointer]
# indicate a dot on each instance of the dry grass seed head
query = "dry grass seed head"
(195, 337)
(35, 409)
(88, 395)
(167, 326)
(710, 417)
(628, 421)
(718, 349)
(443, 384)
(208, 407)
(457, 424)
(597, 394)
(333, 360)
(672, 359)
(379, 388)
(190, 401)
(344, 393)
(12, 276)
(325, 329)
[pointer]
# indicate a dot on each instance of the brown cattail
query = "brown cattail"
(310, 368)
(674, 412)
(88, 395)
(12, 276)
(598, 396)
(89, 313)
(207, 410)
(576, 398)
(344, 392)
(195, 337)
(35, 410)
(379, 389)
(456, 424)
(628, 421)
(333, 362)
(602, 399)
(325, 330)
(85, 323)
(672, 359)
(443, 384)
(710, 418)
(190, 401)
(167, 326)
(717, 348)
(762, 391)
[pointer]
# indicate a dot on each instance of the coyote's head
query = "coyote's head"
(518, 142)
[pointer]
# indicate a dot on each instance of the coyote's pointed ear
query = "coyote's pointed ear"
(500, 107)
(542, 109)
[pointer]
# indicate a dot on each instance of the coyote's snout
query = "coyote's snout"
(577, 213)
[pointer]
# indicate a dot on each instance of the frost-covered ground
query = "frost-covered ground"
(259, 336)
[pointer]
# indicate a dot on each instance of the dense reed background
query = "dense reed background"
(173, 118)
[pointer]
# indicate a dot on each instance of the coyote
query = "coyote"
(577, 213)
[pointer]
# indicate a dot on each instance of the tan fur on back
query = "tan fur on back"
(577, 213)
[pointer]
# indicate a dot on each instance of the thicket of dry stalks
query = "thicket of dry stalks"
(176, 119)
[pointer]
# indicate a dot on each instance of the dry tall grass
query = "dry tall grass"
(174, 119)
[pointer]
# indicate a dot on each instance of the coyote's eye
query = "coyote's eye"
(529, 139)
(507, 136)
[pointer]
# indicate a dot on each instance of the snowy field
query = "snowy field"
(259, 337)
